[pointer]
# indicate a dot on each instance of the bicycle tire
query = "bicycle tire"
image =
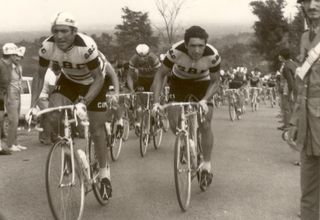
(181, 157)
(157, 131)
(116, 142)
(165, 122)
(94, 168)
(232, 110)
(126, 129)
(144, 133)
(59, 157)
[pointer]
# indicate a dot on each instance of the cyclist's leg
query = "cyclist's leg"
(97, 118)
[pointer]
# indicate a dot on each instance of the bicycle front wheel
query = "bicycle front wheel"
(94, 171)
(126, 129)
(116, 141)
(144, 133)
(182, 173)
(157, 131)
(65, 195)
(232, 110)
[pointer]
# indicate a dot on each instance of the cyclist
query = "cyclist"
(82, 82)
(238, 81)
(194, 66)
(143, 65)
(254, 81)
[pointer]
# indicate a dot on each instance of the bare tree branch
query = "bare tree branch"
(169, 11)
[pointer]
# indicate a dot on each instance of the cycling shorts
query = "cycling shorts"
(271, 84)
(143, 82)
(72, 91)
(182, 89)
(235, 84)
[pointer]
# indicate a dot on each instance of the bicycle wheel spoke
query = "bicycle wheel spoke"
(65, 196)
(182, 173)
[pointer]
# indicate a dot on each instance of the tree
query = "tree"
(104, 43)
(135, 28)
(169, 11)
(271, 27)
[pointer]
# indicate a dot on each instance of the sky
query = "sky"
(21, 15)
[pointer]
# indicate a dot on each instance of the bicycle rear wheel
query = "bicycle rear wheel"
(94, 168)
(126, 129)
(144, 133)
(116, 141)
(66, 198)
(182, 174)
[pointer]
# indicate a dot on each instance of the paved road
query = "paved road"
(254, 178)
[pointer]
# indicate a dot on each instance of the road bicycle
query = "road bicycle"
(188, 154)
(254, 99)
(118, 132)
(232, 104)
(151, 126)
(271, 96)
(71, 171)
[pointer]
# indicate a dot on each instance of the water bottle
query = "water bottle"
(83, 159)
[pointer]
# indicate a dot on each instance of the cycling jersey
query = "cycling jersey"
(77, 62)
(184, 67)
(147, 66)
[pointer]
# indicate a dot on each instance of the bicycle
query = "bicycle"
(70, 176)
(150, 126)
(188, 154)
(271, 95)
(117, 134)
(232, 104)
(254, 99)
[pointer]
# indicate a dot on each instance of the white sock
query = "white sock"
(206, 166)
(105, 172)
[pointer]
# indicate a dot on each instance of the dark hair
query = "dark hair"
(285, 53)
(195, 32)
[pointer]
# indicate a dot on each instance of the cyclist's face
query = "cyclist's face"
(63, 36)
(312, 8)
(196, 48)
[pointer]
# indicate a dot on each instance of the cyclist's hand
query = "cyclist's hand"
(156, 106)
(31, 113)
(204, 106)
(81, 111)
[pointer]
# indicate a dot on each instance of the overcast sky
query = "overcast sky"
(19, 15)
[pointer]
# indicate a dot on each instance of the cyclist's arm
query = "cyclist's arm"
(131, 72)
(213, 86)
(158, 81)
(37, 84)
(114, 78)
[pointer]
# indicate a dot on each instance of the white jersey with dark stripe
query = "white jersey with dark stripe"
(184, 67)
(77, 62)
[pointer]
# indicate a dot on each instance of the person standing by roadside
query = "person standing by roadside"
(13, 101)
(9, 51)
(305, 119)
(289, 89)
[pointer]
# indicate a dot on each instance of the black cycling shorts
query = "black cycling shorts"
(235, 84)
(182, 89)
(73, 90)
(144, 83)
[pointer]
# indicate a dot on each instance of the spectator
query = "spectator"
(13, 101)
(288, 91)
(305, 120)
(9, 52)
